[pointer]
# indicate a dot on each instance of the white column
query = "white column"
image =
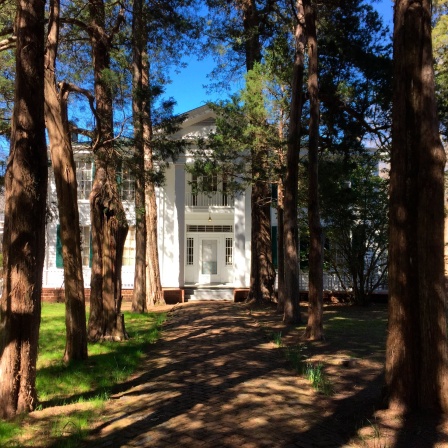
(239, 256)
(179, 194)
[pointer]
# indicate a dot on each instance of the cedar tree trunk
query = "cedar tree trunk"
(280, 252)
(292, 306)
(314, 329)
(108, 220)
(416, 351)
(24, 231)
(66, 189)
(138, 103)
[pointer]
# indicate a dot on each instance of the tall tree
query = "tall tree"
(107, 216)
(66, 188)
(262, 274)
(139, 43)
(416, 351)
(314, 329)
(147, 272)
(24, 231)
(246, 23)
(292, 310)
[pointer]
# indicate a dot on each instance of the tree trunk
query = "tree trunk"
(24, 230)
(108, 219)
(292, 306)
(66, 188)
(416, 351)
(154, 292)
(314, 329)
(280, 253)
(138, 101)
(262, 273)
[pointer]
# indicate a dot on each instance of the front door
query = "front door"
(208, 261)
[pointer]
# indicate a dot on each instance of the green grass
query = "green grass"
(8, 431)
(89, 383)
(316, 376)
(109, 363)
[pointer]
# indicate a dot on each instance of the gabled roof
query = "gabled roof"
(199, 123)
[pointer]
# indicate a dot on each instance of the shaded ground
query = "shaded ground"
(220, 377)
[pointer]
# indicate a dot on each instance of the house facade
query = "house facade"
(203, 238)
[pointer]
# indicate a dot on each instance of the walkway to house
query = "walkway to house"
(214, 380)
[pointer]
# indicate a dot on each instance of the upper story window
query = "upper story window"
(210, 190)
(84, 177)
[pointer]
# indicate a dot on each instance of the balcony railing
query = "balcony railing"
(212, 199)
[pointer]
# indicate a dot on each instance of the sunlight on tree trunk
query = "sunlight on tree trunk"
(24, 229)
(107, 216)
(66, 188)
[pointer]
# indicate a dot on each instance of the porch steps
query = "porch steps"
(199, 294)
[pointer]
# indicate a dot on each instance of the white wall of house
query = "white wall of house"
(201, 241)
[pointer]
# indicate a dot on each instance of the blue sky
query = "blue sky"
(187, 87)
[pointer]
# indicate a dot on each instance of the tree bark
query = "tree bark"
(314, 329)
(24, 230)
(107, 215)
(154, 292)
(280, 252)
(416, 350)
(292, 306)
(138, 43)
(66, 188)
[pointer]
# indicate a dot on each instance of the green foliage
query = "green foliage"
(354, 209)
(354, 77)
(246, 137)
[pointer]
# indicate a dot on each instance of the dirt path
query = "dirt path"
(216, 380)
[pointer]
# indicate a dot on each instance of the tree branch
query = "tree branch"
(77, 22)
(116, 27)
(6, 44)
(69, 87)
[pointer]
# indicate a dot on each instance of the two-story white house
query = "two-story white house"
(204, 238)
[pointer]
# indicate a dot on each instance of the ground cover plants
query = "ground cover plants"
(72, 395)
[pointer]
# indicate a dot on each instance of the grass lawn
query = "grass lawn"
(90, 383)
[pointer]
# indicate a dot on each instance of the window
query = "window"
(229, 251)
(86, 243)
(208, 228)
(194, 190)
(129, 248)
(210, 183)
(225, 198)
(190, 251)
(84, 177)
(126, 184)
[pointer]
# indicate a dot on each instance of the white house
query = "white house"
(204, 239)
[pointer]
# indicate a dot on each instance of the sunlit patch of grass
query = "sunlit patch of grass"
(109, 363)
